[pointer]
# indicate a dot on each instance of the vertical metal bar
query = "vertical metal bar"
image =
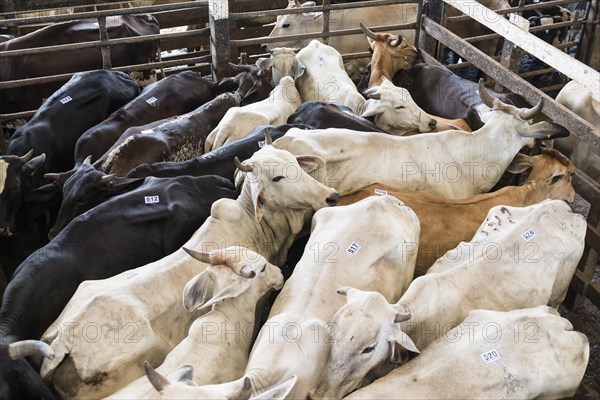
(431, 9)
(589, 39)
(218, 20)
(326, 13)
(440, 48)
(418, 28)
(104, 50)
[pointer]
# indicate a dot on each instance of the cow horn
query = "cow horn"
(52, 176)
(88, 160)
(27, 156)
(368, 33)
(201, 256)
(242, 167)
(107, 178)
(396, 42)
(486, 97)
(268, 138)
(158, 381)
(26, 348)
(529, 113)
(297, 3)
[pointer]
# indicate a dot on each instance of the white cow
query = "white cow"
(138, 313)
(371, 244)
(455, 164)
(520, 257)
(394, 110)
(324, 78)
(295, 24)
(218, 342)
(238, 122)
(521, 354)
(579, 100)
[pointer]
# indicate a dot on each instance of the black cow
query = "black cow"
(177, 94)
(440, 92)
(218, 161)
(125, 232)
(180, 138)
(51, 134)
(321, 115)
(20, 67)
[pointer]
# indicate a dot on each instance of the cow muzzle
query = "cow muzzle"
(332, 199)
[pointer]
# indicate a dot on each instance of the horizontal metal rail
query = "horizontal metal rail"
(105, 13)
(333, 7)
(529, 7)
(128, 68)
(534, 29)
(98, 43)
(315, 35)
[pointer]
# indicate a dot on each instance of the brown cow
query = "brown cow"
(445, 223)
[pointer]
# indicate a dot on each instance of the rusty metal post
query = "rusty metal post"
(105, 50)
(218, 19)
(326, 14)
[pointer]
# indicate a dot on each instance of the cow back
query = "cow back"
(87, 99)
(175, 95)
(320, 115)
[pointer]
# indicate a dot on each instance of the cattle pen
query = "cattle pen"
(217, 32)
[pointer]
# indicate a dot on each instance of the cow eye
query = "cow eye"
(285, 25)
(556, 178)
(264, 268)
(368, 349)
(278, 178)
(400, 107)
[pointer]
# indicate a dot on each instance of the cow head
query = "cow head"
(551, 175)
(16, 179)
(179, 385)
(283, 62)
(254, 83)
(277, 180)
(368, 337)
(84, 188)
(294, 24)
(510, 119)
(391, 53)
(394, 110)
(17, 373)
(233, 272)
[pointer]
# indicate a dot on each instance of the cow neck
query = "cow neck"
(238, 320)
(276, 230)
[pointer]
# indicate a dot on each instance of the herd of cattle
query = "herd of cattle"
(174, 213)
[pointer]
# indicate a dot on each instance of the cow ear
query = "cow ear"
(264, 63)
(400, 345)
(120, 184)
(244, 392)
(230, 292)
(372, 108)
(183, 374)
(310, 163)
(34, 164)
(257, 191)
(279, 391)
(42, 194)
(198, 290)
(520, 164)
(32, 381)
(299, 69)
